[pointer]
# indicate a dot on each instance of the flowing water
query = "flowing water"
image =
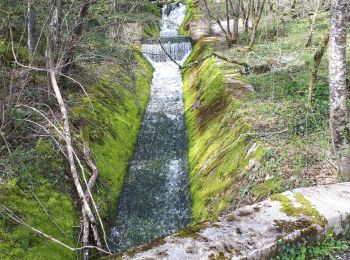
(155, 199)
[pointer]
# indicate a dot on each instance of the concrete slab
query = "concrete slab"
(254, 231)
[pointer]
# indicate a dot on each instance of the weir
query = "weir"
(155, 201)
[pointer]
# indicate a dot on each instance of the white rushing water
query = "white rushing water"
(171, 23)
(155, 200)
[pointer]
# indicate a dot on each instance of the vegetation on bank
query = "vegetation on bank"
(36, 187)
(35, 183)
(37, 191)
(191, 14)
(324, 249)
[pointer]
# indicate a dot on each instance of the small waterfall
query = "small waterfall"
(169, 44)
(155, 198)
(156, 53)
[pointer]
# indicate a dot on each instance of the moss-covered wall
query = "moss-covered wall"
(218, 140)
(111, 127)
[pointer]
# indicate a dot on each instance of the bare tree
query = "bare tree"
(235, 9)
(316, 64)
(55, 30)
(71, 45)
(232, 11)
(339, 116)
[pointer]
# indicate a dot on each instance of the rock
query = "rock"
(253, 165)
(252, 149)
(199, 28)
(237, 87)
(196, 105)
(253, 232)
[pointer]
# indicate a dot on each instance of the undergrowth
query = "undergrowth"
(299, 138)
(322, 250)
(36, 185)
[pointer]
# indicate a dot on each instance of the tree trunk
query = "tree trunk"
(85, 237)
(228, 19)
(292, 9)
(339, 117)
(235, 11)
(31, 27)
(311, 33)
(217, 20)
(246, 20)
(55, 30)
(257, 18)
(317, 61)
(235, 33)
(70, 155)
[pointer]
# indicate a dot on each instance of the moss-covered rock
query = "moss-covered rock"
(303, 207)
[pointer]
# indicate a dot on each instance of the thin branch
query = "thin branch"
(167, 54)
(47, 213)
(6, 143)
(81, 86)
(31, 67)
(94, 176)
(45, 117)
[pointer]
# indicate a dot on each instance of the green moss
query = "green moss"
(231, 218)
(218, 143)
(305, 209)
(149, 246)
(191, 231)
(110, 127)
(30, 172)
(17, 241)
(284, 226)
(268, 187)
(151, 30)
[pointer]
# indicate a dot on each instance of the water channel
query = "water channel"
(155, 199)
